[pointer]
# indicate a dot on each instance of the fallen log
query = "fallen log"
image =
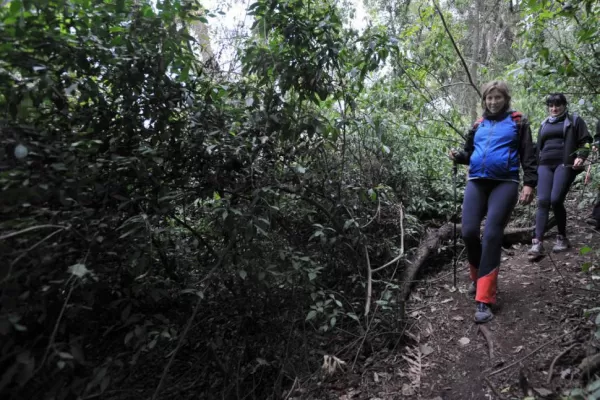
(434, 238)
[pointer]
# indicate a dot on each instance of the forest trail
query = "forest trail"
(538, 316)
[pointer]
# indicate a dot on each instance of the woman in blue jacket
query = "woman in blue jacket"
(495, 146)
(561, 152)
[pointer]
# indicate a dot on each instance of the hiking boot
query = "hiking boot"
(536, 250)
(472, 289)
(562, 244)
(483, 313)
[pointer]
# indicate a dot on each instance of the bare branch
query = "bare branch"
(464, 63)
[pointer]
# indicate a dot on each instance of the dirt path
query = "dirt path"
(536, 307)
(539, 306)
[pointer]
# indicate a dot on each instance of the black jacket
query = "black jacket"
(526, 152)
(576, 136)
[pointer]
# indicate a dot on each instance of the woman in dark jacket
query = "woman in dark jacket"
(594, 219)
(496, 145)
(562, 147)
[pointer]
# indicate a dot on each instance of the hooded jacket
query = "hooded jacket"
(575, 135)
(496, 146)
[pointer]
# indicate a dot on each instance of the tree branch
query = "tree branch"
(189, 324)
(462, 60)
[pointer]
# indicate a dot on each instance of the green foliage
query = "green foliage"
(137, 179)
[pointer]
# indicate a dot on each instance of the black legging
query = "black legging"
(497, 199)
(554, 183)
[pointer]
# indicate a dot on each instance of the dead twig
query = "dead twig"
(531, 353)
(562, 353)
(181, 339)
(492, 388)
(189, 324)
(33, 228)
(55, 330)
(368, 328)
(369, 283)
(488, 337)
(23, 254)
(401, 243)
(370, 271)
(565, 280)
(462, 59)
(291, 389)
(374, 216)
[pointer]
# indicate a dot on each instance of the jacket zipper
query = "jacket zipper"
(487, 144)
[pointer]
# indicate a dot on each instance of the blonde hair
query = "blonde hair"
(501, 86)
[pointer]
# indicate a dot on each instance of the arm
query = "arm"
(583, 138)
(527, 156)
(538, 146)
(464, 157)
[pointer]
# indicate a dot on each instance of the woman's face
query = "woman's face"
(495, 101)
(555, 110)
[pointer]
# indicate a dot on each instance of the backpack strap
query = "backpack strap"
(476, 124)
(574, 117)
(517, 117)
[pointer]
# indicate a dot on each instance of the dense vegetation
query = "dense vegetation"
(154, 204)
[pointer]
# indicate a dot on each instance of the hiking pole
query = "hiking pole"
(454, 172)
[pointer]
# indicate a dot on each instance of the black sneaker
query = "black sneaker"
(483, 313)
(592, 221)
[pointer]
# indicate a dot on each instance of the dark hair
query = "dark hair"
(557, 99)
(502, 88)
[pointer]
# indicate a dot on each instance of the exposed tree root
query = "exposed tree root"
(565, 351)
(488, 337)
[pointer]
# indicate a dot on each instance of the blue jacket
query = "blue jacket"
(496, 146)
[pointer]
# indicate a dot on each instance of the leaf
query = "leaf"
(65, 355)
(585, 250)
(426, 349)
(311, 315)
(125, 313)
(243, 274)
(77, 353)
(79, 270)
(407, 390)
(543, 392)
(585, 267)
(312, 275)
(353, 316)
(464, 341)
(128, 337)
(518, 349)
(8, 375)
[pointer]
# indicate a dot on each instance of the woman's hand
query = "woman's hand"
(526, 195)
(578, 163)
